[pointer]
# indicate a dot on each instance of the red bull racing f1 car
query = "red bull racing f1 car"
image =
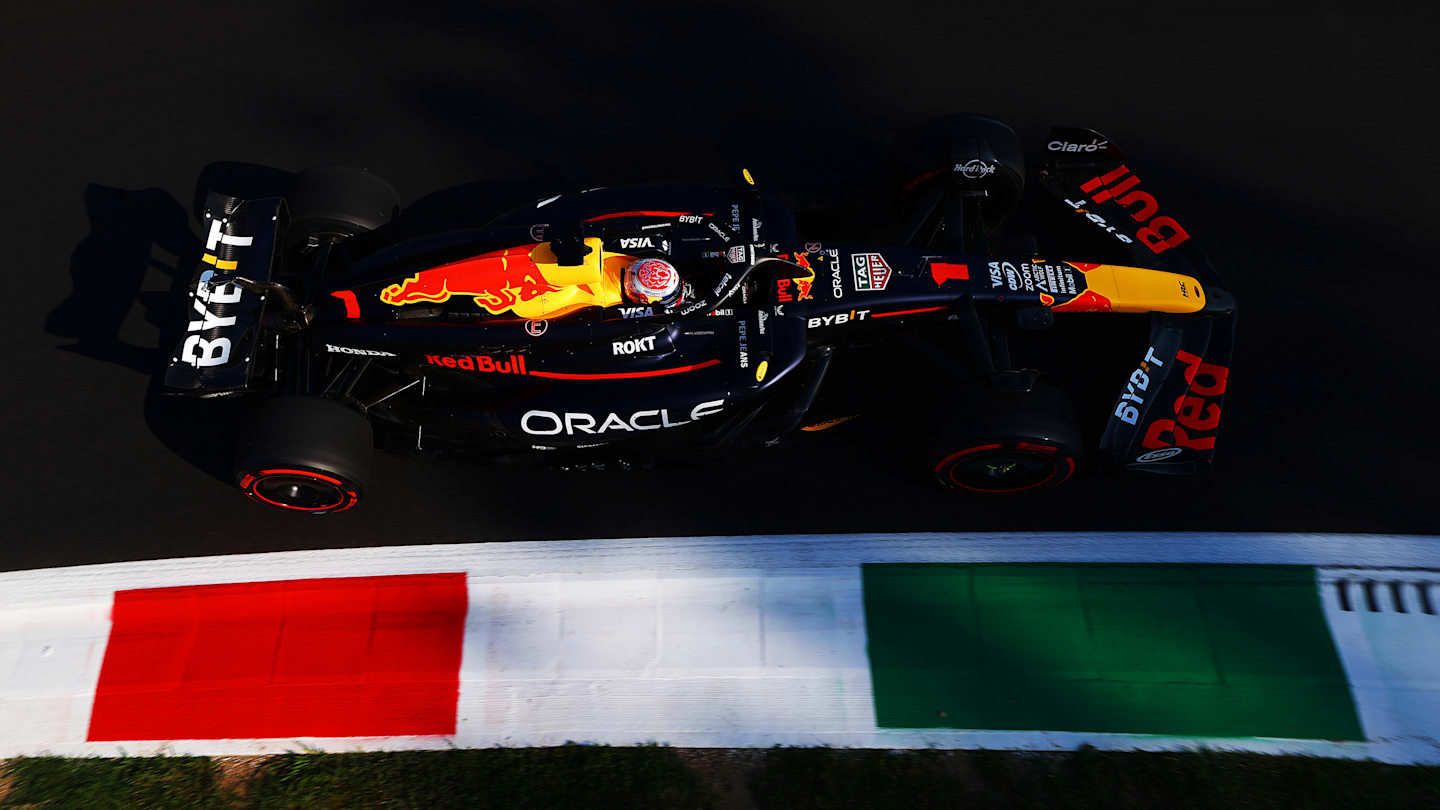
(621, 327)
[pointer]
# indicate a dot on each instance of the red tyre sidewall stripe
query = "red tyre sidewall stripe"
(1025, 446)
(346, 492)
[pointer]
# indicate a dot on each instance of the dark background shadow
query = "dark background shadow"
(1288, 140)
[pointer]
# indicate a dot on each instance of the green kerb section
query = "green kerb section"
(1178, 650)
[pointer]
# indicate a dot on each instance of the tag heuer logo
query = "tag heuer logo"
(871, 271)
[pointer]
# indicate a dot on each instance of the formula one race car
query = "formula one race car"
(621, 327)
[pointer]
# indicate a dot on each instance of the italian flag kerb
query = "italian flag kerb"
(346, 657)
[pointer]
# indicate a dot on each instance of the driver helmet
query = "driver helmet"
(653, 281)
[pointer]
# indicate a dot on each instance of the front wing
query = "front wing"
(1168, 414)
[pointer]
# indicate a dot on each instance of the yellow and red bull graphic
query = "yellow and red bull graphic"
(526, 281)
(796, 289)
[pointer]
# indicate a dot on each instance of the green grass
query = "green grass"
(100, 784)
(597, 777)
(803, 778)
(571, 776)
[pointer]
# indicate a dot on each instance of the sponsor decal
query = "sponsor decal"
(1066, 146)
(1160, 233)
(812, 247)
(536, 327)
(488, 364)
(1196, 412)
(720, 287)
(871, 272)
(741, 330)
(1159, 455)
(1098, 220)
(721, 313)
(636, 312)
(735, 218)
(689, 219)
(1005, 274)
(633, 242)
(203, 352)
(198, 351)
(570, 423)
(1052, 278)
(633, 346)
(1127, 409)
(537, 231)
(838, 319)
(720, 232)
(975, 169)
(735, 255)
(754, 230)
(760, 370)
(332, 348)
(762, 317)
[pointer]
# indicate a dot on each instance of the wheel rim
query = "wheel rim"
(301, 490)
(995, 469)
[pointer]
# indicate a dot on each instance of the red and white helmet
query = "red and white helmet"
(653, 281)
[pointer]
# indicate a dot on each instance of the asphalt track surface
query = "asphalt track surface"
(1296, 144)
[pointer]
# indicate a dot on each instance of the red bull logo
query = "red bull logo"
(497, 281)
(802, 285)
(515, 364)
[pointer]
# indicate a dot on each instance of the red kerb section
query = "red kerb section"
(347, 657)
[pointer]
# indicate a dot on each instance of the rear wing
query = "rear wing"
(217, 354)
(1168, 415)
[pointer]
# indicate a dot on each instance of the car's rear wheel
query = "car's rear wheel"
(330, 203)
(989, 442)
(306, 455)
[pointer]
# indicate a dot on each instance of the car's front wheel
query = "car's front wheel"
(989, 442)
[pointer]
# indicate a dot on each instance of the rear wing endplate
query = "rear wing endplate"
(217, 354)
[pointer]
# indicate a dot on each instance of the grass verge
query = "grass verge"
(597, 777)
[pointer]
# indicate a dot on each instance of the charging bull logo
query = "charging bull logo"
(801, 285)
(499, 282)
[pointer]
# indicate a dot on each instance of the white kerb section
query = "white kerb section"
(716, 641)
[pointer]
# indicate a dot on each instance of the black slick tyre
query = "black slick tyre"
(988, 442)
(329, 203)
(976, 151)
(306, 455)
